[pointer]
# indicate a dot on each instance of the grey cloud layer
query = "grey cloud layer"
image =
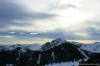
(10, 11)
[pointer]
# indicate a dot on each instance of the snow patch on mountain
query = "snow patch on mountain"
(58, 41)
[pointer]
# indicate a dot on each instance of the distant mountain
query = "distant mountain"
(23, 48)
(93, 47)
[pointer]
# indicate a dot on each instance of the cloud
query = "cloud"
(51, 19)
(55, 34)
(17, 10)
(13, 13)
(11, 10)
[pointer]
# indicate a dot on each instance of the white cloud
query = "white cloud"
(67, 18)
(12, 32)
(38, 5)
(33, 33)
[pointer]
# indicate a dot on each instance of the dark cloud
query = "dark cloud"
(65, 6)
(51, 35)
(10, 11)
(94, 33)
(57, 34)
(93, 29)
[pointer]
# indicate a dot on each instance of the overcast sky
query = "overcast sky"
(49, 19)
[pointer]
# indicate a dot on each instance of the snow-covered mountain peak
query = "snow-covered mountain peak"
(58, 41)
(53, 43)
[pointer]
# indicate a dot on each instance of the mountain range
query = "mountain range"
(56, 51)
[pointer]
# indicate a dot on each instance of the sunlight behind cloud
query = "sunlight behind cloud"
(71, 19)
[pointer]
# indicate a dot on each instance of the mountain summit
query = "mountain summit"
(52, 44)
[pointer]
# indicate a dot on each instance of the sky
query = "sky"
(33, 21)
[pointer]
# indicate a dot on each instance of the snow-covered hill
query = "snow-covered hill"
(23, 48)
(93, 47)
(64, 64)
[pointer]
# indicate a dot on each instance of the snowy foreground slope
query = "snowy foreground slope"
(65, 64)
(58, 52)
